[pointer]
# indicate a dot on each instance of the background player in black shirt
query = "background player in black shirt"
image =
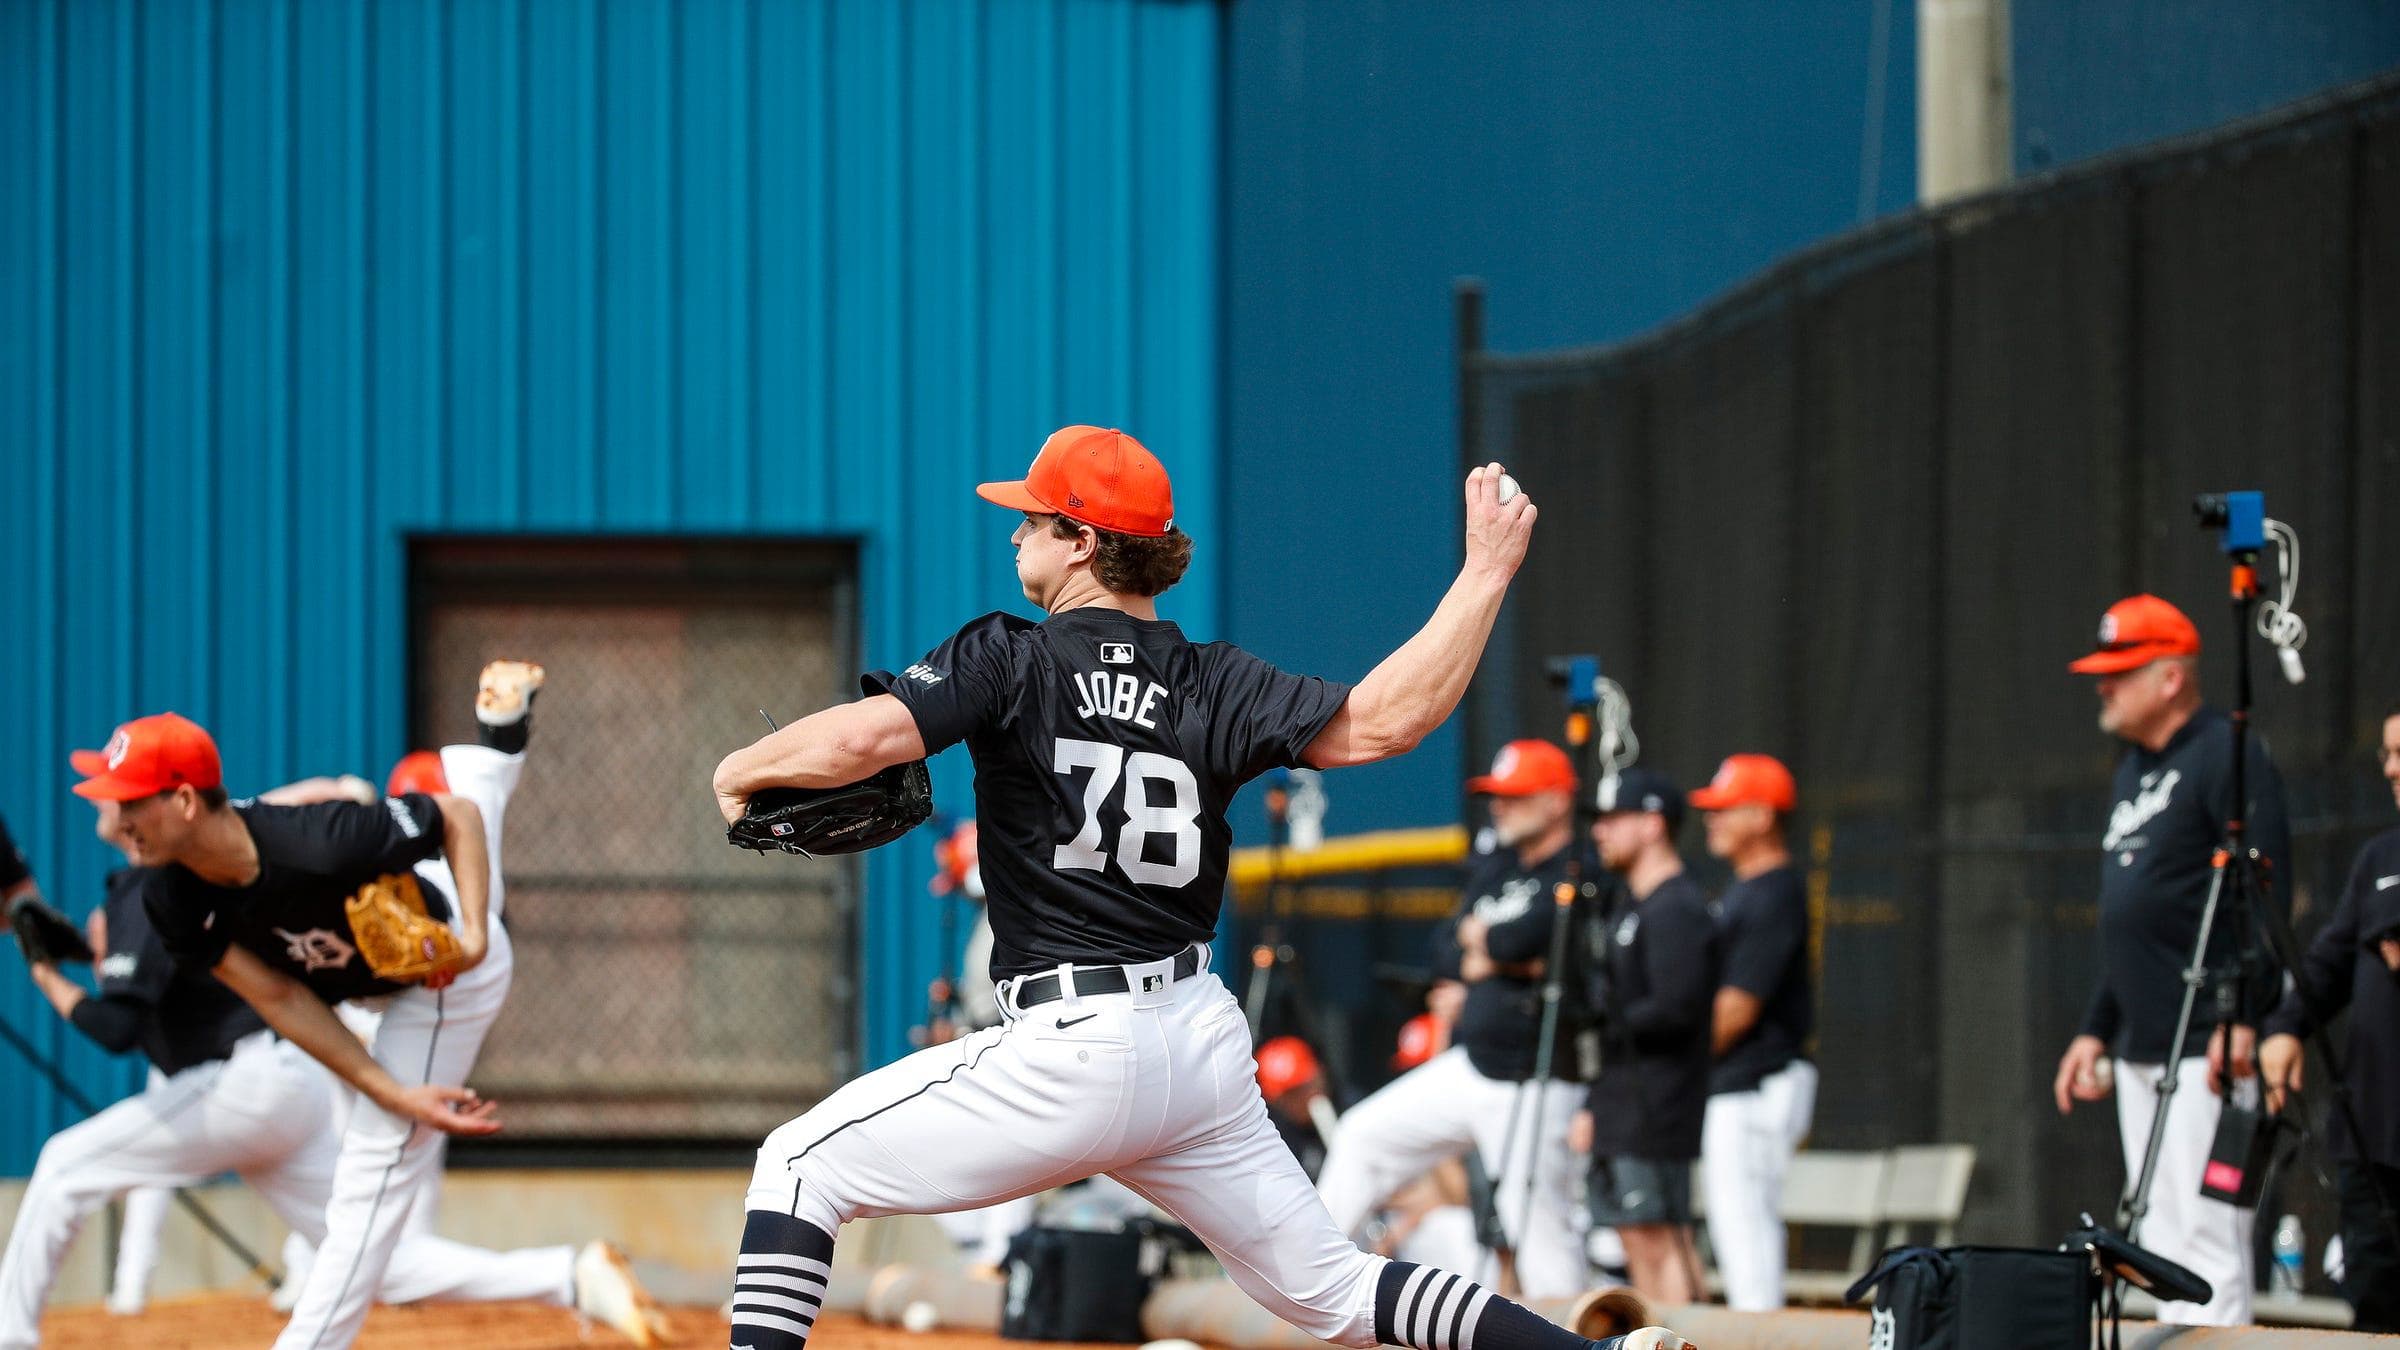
(2174, 793)
(1106, 750)
(1762, 1089)
(1475, 1094)
(1657, 970)
(2354, 963)
(228, 1096)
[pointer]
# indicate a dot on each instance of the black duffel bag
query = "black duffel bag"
(1077, 1284)
(1980, 1298)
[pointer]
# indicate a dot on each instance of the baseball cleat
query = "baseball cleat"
(606, 1292)
(287, 1294)
(1647, 1338)
(126, 1305)
(505, 691)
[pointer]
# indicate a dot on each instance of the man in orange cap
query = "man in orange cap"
(2174, 793)
(1475, 1094)
(1762, 1089)
(1106, 747)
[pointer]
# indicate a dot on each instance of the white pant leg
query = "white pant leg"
(137, 1245)
(487, 778)
(426, 1268)
(1739, 1139)
(2209, 1237)
(1535, 1177)
(998, 1114)
(227, 1115)
(427, 1036)
(1220, 1167)
(1399, 1132)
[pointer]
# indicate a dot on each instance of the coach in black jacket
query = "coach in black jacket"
(1655, 962)
(2174, 793)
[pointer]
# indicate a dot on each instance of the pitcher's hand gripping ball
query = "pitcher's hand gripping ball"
(848, 819)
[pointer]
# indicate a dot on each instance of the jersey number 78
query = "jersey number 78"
(1147, 777)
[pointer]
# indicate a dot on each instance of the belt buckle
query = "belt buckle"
(1152, 983)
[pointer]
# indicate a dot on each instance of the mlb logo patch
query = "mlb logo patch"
(1117, 653)
(1151, 984)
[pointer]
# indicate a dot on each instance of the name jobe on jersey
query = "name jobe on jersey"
(1124, 698)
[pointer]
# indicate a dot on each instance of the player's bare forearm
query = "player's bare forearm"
(1416, 688)
(62, 992)
(302, 1018)
(842, 744)
(470, 862)
(348, 787)
(1735, 1013)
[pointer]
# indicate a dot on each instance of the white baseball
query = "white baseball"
(920, 1316)
(1508, 488)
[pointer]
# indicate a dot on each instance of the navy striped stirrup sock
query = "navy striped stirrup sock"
(779, 1284)
(1430, 1309)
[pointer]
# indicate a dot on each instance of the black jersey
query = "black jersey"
(2157, 862)
(311, 860)
(179, 1015)
(2344, 969)
(1107, 749)
(1762, 924)
(1499, 1025)
(13, 871)
(1658, 968)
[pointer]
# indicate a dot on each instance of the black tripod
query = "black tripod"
(1581, 677)
(2238, 884)
(1277, 991)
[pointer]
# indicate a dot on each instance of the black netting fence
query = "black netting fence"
(667, 987)
(1861, 512)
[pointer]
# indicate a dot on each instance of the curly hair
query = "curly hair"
(1129, 564)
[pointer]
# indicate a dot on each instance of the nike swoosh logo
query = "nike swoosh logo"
(1064, 1023)
(2386, 883)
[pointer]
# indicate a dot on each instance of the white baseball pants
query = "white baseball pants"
(1158, 1090)
(1746, 1144)
(265, 1114)
(1439, 1110)
(2209, 1237)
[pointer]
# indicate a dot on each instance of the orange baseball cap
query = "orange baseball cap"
(147, 756)
(2136, 631)
(417, 771)
(1748, 780)
(1523, 768)
(1419, 1038)
(1283, 1064)
(1097, 475)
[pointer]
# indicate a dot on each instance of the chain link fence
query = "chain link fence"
(1861, 512)
(667, 986)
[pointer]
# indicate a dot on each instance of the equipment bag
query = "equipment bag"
(1073, 1284)
(1980, 1298)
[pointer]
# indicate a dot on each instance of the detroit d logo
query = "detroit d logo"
(317, 949)
(118, 745)
(2108, 628)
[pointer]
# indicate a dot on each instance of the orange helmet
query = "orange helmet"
(1285, 1063)
(417, 771)
(1419, 1036)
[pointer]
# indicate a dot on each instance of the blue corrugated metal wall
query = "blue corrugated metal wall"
(283, 281)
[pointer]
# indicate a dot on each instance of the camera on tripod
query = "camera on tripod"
(2240, 517)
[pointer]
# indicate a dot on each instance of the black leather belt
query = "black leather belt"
(1035, 990)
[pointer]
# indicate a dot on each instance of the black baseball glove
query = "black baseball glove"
(848, 819)
(44, 934)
